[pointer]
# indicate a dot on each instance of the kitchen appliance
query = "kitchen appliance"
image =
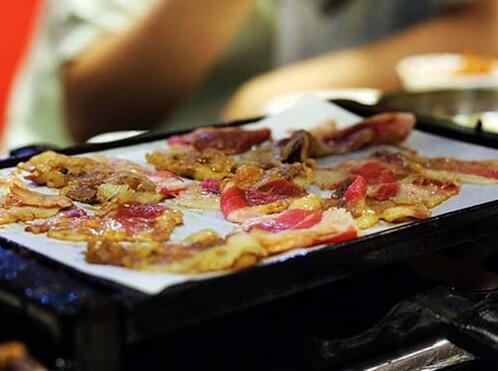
(362, 304)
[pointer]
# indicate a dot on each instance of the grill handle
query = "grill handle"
(468, 319)
(31, 150)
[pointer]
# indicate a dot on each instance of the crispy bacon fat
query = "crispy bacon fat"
(202, 252)
(192, 163)
(128, 222)
(204, 195)
(101, 179)
(18, 203)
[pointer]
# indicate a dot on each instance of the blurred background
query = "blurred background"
(76, 69)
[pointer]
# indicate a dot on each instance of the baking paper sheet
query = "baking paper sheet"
(306, 113)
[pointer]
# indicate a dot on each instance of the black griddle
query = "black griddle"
(90, 321)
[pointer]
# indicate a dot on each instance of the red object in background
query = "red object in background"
(17, 18)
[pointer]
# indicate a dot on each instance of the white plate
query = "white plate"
(442, 71)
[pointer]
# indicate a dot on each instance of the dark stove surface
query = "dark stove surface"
(294, 333)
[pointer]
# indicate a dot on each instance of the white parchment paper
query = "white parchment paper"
(306, 113)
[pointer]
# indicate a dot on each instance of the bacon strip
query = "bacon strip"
(466, 171)
(134, 222)
(230, 140)
(480, 172)
(22, 204)
(297, 148)
(254, 192)
(101, 179)
(289, 220)
(167, 183)
(202, 252)
(385, 128)
(189, 162)
(303, 146)
(389, 186)
(239, 204)
(302, 228)
(29, 197)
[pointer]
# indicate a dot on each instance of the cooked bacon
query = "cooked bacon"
(191, 163)
(394, 190)
(373, 171)
(211, 186)
(254, 192)
(195, 196)
(55, 170)
(301, 228)
(206, 251)
(254, 181)
(386, 191)
(301, 147)
(479, 172)
(255, 177)
(19, 203)
(101, 179)
(29, 197)
(376, 173)
(289, 220)
(14, 214)
(236, 208)
(145, 187)
(103, 187)
(466, 171)
(273, 191)
(166, 182)
(385, 128)
(355, 192)
(413, 197)
(129, 222)
(202, 252)
(397, 159)
(229, 140)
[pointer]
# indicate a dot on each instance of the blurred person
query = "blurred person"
(103, 65)
(106, 65)
(322, 44)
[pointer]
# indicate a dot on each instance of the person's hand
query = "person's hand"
(318, 73)
(135, 78)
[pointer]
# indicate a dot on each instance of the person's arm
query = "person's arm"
(469, 28)
(135, 78)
